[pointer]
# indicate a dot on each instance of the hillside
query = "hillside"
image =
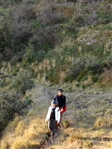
(57, 42)
(46, 45)
(87, 122)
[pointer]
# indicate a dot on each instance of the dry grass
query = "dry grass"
(36, 70)
(75, 136)
(68, 12)
(103, 122)
(62, 75)
(85, 139)
(91, 37)
(88, 144)
(12, 125)
(53, 63)
(67, 42)
(28, 133)
(107, 77)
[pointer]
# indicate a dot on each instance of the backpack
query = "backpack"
(53, 114)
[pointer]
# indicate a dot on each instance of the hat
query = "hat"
(54, 102)
(60, 90)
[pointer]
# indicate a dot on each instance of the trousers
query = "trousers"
(52, 125)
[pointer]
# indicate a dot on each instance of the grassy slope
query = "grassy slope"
(88, 113)
(91, 114)
(82, 47)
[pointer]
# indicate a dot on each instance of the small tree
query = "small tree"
(10, 104)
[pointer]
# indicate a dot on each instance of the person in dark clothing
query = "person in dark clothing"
(53, 118)
(61, 100)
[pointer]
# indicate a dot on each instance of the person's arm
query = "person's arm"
(48, 114)
(57, 115)
(64, 102)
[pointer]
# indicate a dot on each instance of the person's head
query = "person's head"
(60, 92)
(54, 103)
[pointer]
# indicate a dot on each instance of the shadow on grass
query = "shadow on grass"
(97, 139)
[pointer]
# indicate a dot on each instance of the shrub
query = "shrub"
(75, 136)
(5, 49)
(79, 21)
(44, 39)
(29, 56)
(20, 25)
(9, 2)
(53, 75)
(77, 67)
(88, 144)
(105, 17)
(103, 123)
(71, 30)
(69, 78)
(17, 57)
(91, 19)
(22, 82)
(83, 86)
(107, 77)
(72, 1)
(77, 85)
(15, 29)
(81, 76)
(65, 124)
(94, 78)
(20, 128)
(108, 113)
(93, 66)
(10, 104)
(48, 14)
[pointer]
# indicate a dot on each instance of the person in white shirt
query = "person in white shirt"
(53, 117)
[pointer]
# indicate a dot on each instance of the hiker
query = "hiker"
(61, 100)
(53, 117)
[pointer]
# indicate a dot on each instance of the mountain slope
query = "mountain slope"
(58, 44)
(88, 114)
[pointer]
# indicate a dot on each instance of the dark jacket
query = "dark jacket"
(61, 101)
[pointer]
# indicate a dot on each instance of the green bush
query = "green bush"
(10, 104)
(77, 67)
(29, 55)
(94, 78)
(18, 57)
(9, 2)
(81, 76)
(15, 71)
(96, 67)
(5, 50)
(15, 29)
(48, 14)
(22, 82)
(44, 39)
(77, 85)
(53, 75)
(69, 78)
(89, 65)
(105, 17)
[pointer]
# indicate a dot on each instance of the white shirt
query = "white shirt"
(57, 114)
